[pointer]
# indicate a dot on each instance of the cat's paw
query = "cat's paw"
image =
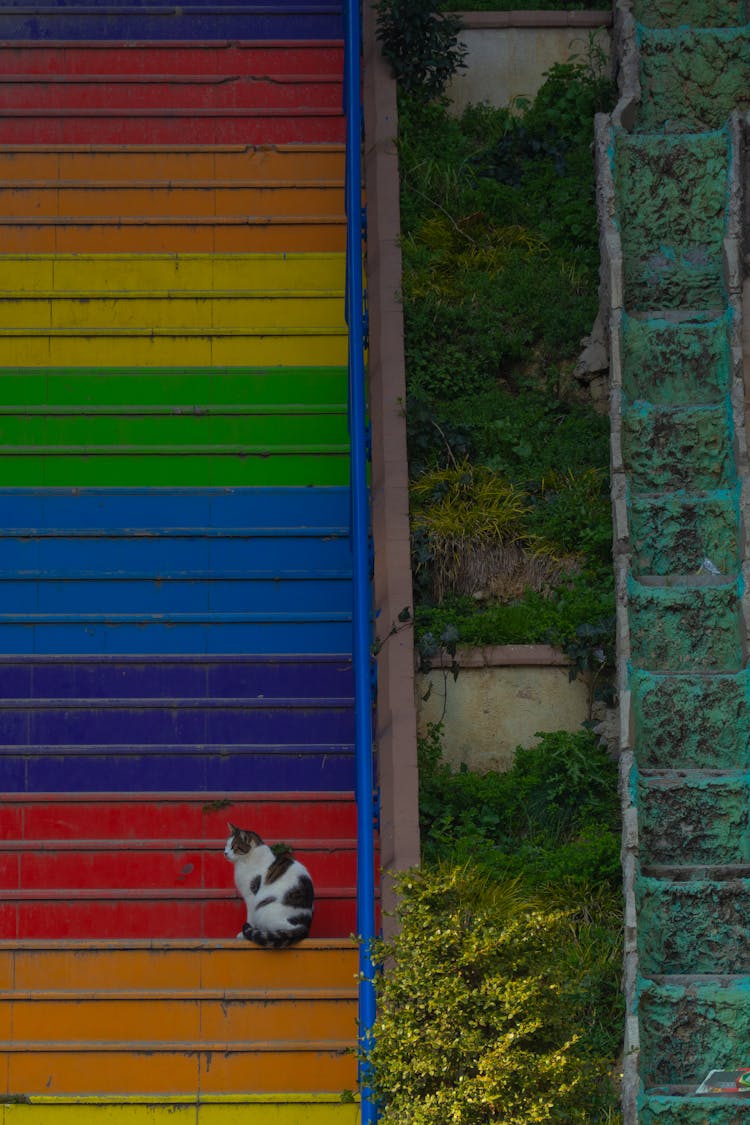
(241, 936)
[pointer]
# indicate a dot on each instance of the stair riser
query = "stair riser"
(75, 348)
(675, 535)
(298, 769)
(684, 628)
(676, 364)
(688, 448)
(656, 1110)
(165, 311)
(157, 919)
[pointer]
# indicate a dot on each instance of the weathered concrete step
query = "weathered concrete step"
(692, 78)
(676, 533)
(693, 625)
(689, 1029)
(676, 359)
(684, 820)
(697, 925)
(666, 448)
(691, 721)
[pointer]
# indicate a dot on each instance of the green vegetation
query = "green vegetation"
(501, 999)
(500, 258)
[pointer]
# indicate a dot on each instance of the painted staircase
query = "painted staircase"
(670, 184)
(175, 559)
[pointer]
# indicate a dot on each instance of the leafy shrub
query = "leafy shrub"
(482, 1013)
(555, 807)
(421, 46)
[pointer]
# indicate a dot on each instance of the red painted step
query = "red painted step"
(288, 56)
(174, 816)
(127, 913)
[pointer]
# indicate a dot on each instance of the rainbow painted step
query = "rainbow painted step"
(222, 1018)
(207, 1109)
(268, 19)
(219, 725)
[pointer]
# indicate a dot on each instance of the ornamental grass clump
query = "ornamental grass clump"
(471, 536)
(474, 1019)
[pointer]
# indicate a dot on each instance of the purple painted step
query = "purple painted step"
(225, 723)
(178, 769)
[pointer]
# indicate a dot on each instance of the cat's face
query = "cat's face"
(241, 842)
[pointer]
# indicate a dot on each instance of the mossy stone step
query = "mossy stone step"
(693, 820)
(676, 361)
(692, 78)
(687, 626)
(679, 534)
(696, 926)
(691, 721)
(666, 448)
(688, 1029)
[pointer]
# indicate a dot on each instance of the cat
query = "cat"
(277, 890)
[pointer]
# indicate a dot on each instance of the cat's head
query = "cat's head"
(241, 842)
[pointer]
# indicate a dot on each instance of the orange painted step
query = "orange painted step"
(69, 965)
(236, 163)
(147, 235)
(139, 1066)
(177, 1018)
(193, 1016)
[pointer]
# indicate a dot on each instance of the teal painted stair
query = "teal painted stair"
(669, 186)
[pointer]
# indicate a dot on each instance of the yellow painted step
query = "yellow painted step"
(291, 347)
(241, 1109)
(194, 311)
(144, 273)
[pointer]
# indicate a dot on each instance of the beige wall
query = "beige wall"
(499, 701)
(508, 52)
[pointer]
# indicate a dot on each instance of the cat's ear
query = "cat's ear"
(232, 828)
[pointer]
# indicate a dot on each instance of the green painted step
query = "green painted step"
(665, 448)
(172, 386)
(679, 361)
(695, 819)
(675, 533)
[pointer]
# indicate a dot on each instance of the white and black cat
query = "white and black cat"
(277, 890)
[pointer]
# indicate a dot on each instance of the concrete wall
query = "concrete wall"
(509, 52)
(502, 697)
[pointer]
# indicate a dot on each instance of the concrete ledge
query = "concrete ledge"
(475, 21)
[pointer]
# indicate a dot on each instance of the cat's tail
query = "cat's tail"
(275, 939)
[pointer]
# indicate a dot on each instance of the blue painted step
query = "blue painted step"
(126, 21)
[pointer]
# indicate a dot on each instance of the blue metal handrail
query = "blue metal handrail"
(360, 545)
